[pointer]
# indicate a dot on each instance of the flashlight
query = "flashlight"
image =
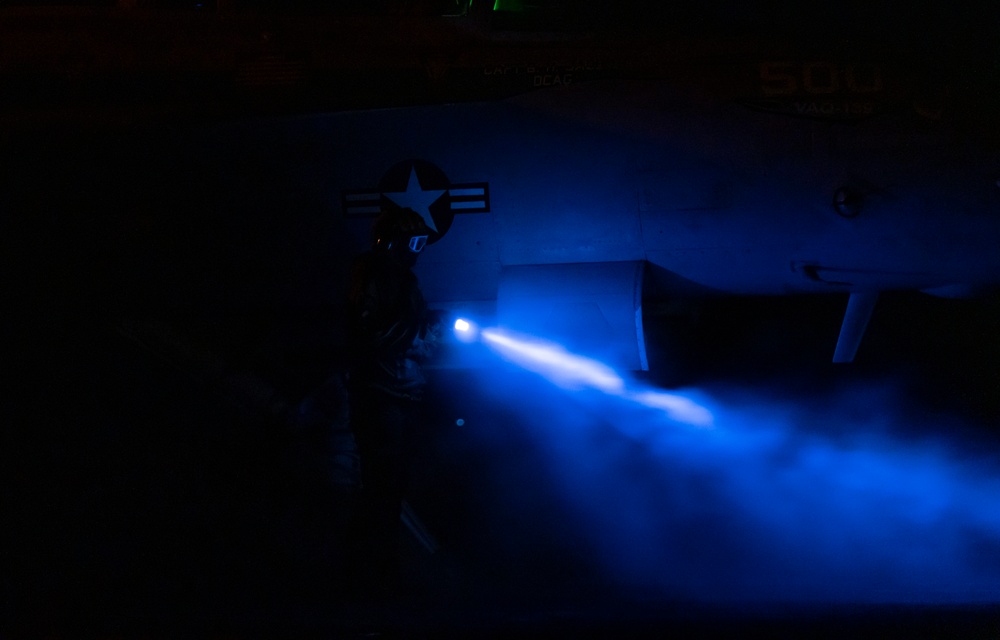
(465, 330)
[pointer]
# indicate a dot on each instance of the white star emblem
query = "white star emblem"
(416, 198)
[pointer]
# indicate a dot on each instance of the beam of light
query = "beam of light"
(676, 406)
(572, 371)
(836, 493)
(566, 369)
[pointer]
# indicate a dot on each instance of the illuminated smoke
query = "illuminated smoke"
(846, 493)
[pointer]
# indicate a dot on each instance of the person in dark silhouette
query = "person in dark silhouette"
(390, 334)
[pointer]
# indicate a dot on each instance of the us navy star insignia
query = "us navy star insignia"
(423, 187)
(417, 198)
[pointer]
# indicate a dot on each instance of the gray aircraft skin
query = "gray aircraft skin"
(737, 200)
(533, 145)
(817, 182)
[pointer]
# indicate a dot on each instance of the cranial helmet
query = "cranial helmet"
(399, 230)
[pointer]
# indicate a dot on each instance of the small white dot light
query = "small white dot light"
(462, 325)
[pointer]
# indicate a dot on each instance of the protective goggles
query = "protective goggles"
(417, 243)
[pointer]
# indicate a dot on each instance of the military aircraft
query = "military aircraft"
(573, 169)
(565, 205)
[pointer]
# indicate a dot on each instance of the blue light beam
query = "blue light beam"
(843, 493)
(575, 372)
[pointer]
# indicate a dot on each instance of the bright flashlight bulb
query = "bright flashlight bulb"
(466, 331)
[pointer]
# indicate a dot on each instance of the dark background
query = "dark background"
(151, 492)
